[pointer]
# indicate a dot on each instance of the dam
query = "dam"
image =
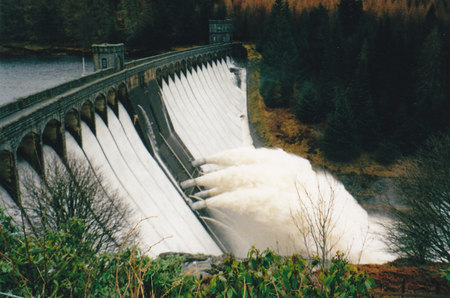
(141, 123)
(170, 134)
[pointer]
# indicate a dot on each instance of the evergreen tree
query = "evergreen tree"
(317, 28)
(350, 12)
(431, 99)
(309, 107)
(279, 55)
(340, 141)
(362, 104)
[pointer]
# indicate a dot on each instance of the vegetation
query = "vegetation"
(421, 231)
(61, 265)
(373, 78)
(73, 190)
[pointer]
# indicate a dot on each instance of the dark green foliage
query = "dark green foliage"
(391, 67)
(61, 265)
(431, 99)
(270, 89)
(422, 228)
(56, 264)
(387, 152)
(279, 56)
(309, 107)
(350, 13)
(340, 141)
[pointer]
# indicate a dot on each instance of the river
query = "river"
(24, 75)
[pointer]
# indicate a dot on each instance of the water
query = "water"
(273, 199)
(118, 155)
(22, 76)
(207, 110)
(127, 166)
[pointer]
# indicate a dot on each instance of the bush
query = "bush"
(270, 89)
(421, 231)
(59, 265)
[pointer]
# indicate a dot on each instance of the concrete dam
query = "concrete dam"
(170, 133)
(141, 123)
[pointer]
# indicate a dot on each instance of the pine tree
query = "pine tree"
(431, 99)
(309, 107)
(279, 56)
(350, 12)
(340, 141)
(362, 104)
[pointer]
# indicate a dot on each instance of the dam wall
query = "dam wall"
(125, 123)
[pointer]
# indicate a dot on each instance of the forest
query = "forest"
(379, 82)
(374, 71)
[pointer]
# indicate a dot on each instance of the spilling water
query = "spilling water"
(273, 199)
(118, 155)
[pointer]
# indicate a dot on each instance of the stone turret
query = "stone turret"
(107, 55)
(220, 31)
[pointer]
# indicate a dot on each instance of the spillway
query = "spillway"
(193, 132)
(207, 109)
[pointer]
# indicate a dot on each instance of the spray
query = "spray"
(273, 199)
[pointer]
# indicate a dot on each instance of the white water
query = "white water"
(127, 165)
(119, 156)
(272, 199)
(206, 110)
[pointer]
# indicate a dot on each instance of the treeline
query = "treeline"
(148, 24)
(379, 81)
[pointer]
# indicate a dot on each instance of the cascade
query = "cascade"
(273, 199)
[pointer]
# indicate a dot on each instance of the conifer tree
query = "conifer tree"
(350, 12)
(362, 104)
(279, 55)
(430, 90)
(309, 107)
(340, 141)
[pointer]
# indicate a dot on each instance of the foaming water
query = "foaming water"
(272, 199)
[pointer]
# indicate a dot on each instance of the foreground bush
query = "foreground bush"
(59, 265)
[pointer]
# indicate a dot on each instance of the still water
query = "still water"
(22, 76)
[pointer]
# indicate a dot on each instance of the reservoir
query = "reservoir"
(24, 75)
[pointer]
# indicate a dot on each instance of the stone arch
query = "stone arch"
(101, 107)
(30, 150)
(8, 174)
(183, 66)
(88, 115)
(165, 74)
(118, 62)
(52, 136)
(72, 125)
(177, 68)
(209, 58)
(171, 70)
(191, 63)
(112, 100)
(199, 62)
(158, 76)
(122, 95)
